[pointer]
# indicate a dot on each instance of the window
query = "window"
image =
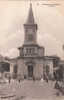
(30, 37)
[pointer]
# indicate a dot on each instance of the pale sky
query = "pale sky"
(50, 20)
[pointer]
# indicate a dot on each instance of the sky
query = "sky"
(50, 20)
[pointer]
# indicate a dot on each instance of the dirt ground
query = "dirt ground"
(31, 90)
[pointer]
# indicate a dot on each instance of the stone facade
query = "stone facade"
(30, 67)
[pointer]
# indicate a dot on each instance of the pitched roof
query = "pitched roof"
(30, 19)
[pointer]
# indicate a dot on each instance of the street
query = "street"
(30, 90)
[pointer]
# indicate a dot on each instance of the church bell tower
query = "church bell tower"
(30, 46)
(31, 62)
(30, 28)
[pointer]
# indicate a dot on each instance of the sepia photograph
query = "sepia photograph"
(31, 49)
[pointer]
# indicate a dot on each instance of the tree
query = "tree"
(58, 74)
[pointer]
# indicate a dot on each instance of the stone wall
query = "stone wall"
(22, 69)
(38, 69)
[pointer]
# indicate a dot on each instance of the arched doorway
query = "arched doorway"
(30, 71)
(15, 69)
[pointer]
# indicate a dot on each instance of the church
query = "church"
(32, 62)
(31, 59)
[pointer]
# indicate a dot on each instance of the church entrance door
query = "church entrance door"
(30, 71)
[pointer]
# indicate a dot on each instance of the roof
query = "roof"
(61, 62)
(30, 19)
(52, 57)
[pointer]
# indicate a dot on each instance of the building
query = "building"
(32, 62)
(51, 65)
(4, 65)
